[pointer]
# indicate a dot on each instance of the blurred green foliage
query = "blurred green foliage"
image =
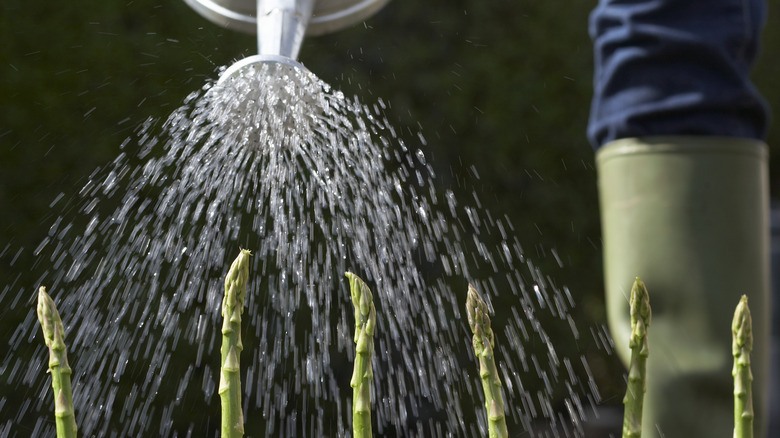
(500, 91)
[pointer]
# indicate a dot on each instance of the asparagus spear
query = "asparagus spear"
(365, 321)
(54, 336)
(484, 342)
(637, 385)
(230, 372)
(742, 344)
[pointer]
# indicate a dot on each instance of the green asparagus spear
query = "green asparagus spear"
(365, 321)
(484, 342)
(230, 372)
(742, 344)
(637, 385)
(54, 336)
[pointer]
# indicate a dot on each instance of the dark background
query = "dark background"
(499, 89)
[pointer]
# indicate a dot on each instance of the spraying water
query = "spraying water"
(314, 183)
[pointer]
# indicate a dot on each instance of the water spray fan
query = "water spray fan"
(281, 25)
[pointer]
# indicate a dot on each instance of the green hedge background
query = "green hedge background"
(499, 89)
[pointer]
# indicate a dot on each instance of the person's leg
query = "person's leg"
(684, 198)
(689, 216)
(676, 67)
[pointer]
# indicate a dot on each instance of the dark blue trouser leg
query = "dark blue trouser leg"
(676, 67)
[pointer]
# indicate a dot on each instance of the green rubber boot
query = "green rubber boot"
(689, 216)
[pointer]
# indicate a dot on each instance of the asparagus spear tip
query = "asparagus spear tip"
(483, 342)
(641, 315)
(742, 345)
(230, 365)
(365, 322)
(54, 337)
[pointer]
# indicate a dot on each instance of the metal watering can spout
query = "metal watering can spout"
(281, 25)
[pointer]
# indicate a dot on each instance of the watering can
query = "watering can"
(281, 25)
